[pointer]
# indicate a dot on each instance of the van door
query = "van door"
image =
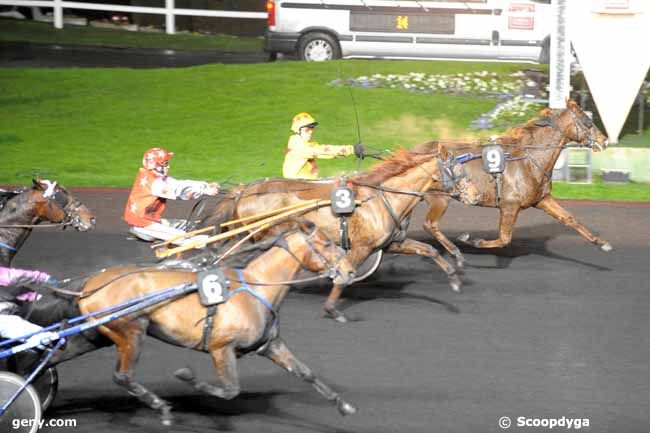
(424, 29)
(525, 26)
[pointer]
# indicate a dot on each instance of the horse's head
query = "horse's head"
(319, 254)
(55, 204)
(454, 178)
(575, 125)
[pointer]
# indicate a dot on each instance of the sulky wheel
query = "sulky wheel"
(369, 267)
(47, 385)
(24, 414)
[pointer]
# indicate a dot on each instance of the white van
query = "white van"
(318, 30)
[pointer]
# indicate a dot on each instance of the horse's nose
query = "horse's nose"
(93, 221)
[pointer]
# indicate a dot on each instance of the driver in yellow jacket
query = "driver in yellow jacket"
(301, 154)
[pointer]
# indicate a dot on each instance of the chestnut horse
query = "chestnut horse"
(526, 182)
(246, 322)
(24, 209)
(389, 191)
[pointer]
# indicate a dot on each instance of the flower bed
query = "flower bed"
(512, 110)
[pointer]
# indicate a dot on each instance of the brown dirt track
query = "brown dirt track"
(546, 328)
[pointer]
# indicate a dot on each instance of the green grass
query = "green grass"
(30, 31)
(602, 191)
(635, 140)
(89, 127)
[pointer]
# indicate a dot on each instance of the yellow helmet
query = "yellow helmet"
(301, 120)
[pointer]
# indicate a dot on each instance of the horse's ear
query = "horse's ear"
(38, 184)
(571, 105)
(442, 150)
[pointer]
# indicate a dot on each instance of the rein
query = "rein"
(31, 226)
(382, 188)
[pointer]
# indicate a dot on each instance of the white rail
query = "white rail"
(169, 11)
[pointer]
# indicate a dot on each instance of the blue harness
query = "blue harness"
(244, 287)
(9, 247)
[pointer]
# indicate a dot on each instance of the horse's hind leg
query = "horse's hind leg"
(225, 363)
(553, 208)
(509, 214)
(410, 246)
(437, 208)
(128, 337)
(278, 352)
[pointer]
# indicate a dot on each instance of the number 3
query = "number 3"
(343, 199)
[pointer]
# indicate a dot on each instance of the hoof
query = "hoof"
(455, 283)
(184, 374)
(464, 237)
(336, 315)
(167, 418)
(341, 318)
(607, 247)
(345, 408)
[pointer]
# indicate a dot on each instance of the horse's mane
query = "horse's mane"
(398, 163)
(432, 146)
(518, 134)
(512, 136)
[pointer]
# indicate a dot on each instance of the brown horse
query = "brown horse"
(526, 181)
(388, 193)
(246, 322)
(24, 209)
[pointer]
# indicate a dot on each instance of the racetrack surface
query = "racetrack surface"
(548, 327)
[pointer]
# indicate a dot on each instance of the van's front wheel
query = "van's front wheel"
(318, 47)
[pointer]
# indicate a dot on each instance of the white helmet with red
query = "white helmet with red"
(156, 158)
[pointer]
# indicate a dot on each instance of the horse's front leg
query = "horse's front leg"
(507, 220)
(128, 336)
(437, 208)
(410, 246)
(553, 208)
(278, 352)
(225, 364)
(356, 257)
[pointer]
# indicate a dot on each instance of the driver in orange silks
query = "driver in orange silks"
(148, 199)
(301, 154)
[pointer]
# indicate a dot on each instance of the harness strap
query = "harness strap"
(548, 176)
(389, 208)
(7, 246)
(400, 229)
(208, 325)
(244, 287)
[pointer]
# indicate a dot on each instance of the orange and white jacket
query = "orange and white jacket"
(148, 198)
(300, 157)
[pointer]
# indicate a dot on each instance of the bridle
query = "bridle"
(332, 268)
(582, 128)
(66, 204)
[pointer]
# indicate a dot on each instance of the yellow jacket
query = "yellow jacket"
(300, 157)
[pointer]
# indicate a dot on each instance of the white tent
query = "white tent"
(612, 41)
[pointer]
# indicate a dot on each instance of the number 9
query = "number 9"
(493, 157)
